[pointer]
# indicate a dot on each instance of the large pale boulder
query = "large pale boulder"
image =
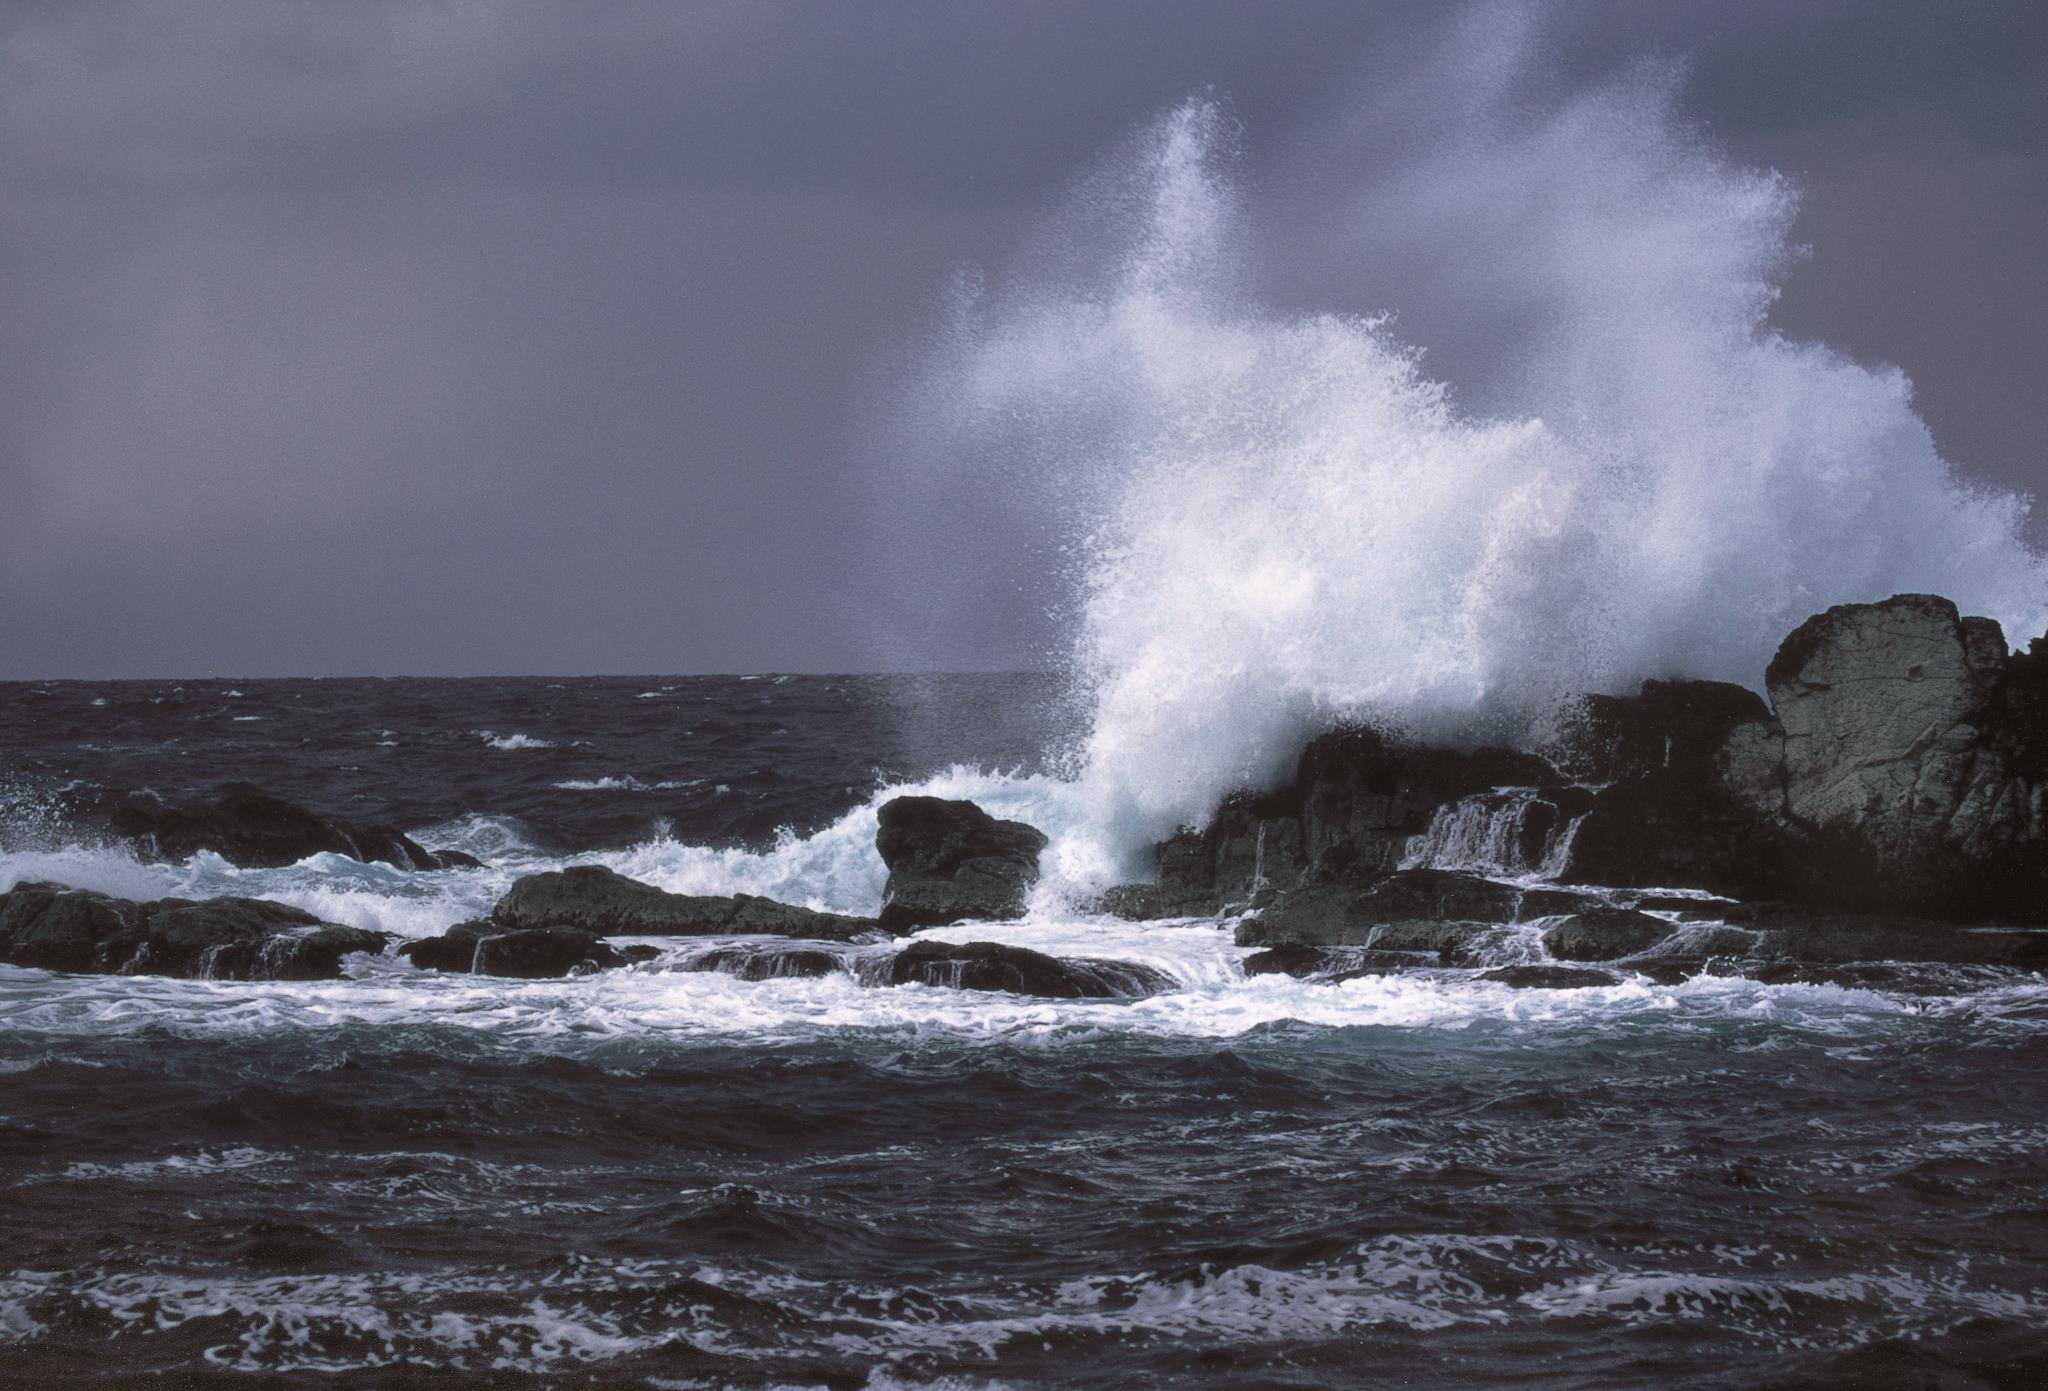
(1882, 707)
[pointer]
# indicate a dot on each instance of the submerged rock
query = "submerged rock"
(1021, 971)
(594, 899)
(1334, 965)
(950, 861)
(526, 953)
(247, 826)
(1540, 977)
(65, 929)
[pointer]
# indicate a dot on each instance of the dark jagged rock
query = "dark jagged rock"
(1021, 971)
(594, 899)
(64, 929)
(1676, 726)
(1606, 934)
(247, 826)
(1535, 977)
(454, 859)
(528, 953)
(950, 861)
(1441, 895)
(1253, 846)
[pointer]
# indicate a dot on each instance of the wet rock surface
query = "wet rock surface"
(1334, 964)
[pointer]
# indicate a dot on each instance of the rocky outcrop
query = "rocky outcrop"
(247, 826)
(1021, 971)
(1898, 765)
(64, 929)
(1544, 977)
(603, 902)
(950, 861)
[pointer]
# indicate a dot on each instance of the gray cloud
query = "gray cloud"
(449, 337)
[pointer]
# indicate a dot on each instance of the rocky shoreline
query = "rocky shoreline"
(1885, 805)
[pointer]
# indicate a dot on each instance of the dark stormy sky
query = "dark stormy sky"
(408, 337)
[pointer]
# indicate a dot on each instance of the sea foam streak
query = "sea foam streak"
(1285, 518)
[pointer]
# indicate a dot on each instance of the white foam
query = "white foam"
(1284, 519)
(512, 741)
(624, 783)
(1215, 1001)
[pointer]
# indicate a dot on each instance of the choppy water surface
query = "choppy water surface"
(666, 1178)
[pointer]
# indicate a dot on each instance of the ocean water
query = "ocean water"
(665, 1178)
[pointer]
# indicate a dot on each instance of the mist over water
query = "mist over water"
(1274, 519)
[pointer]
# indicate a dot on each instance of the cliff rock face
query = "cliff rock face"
(1897, 766)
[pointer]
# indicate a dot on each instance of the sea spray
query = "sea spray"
(1284, 520)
